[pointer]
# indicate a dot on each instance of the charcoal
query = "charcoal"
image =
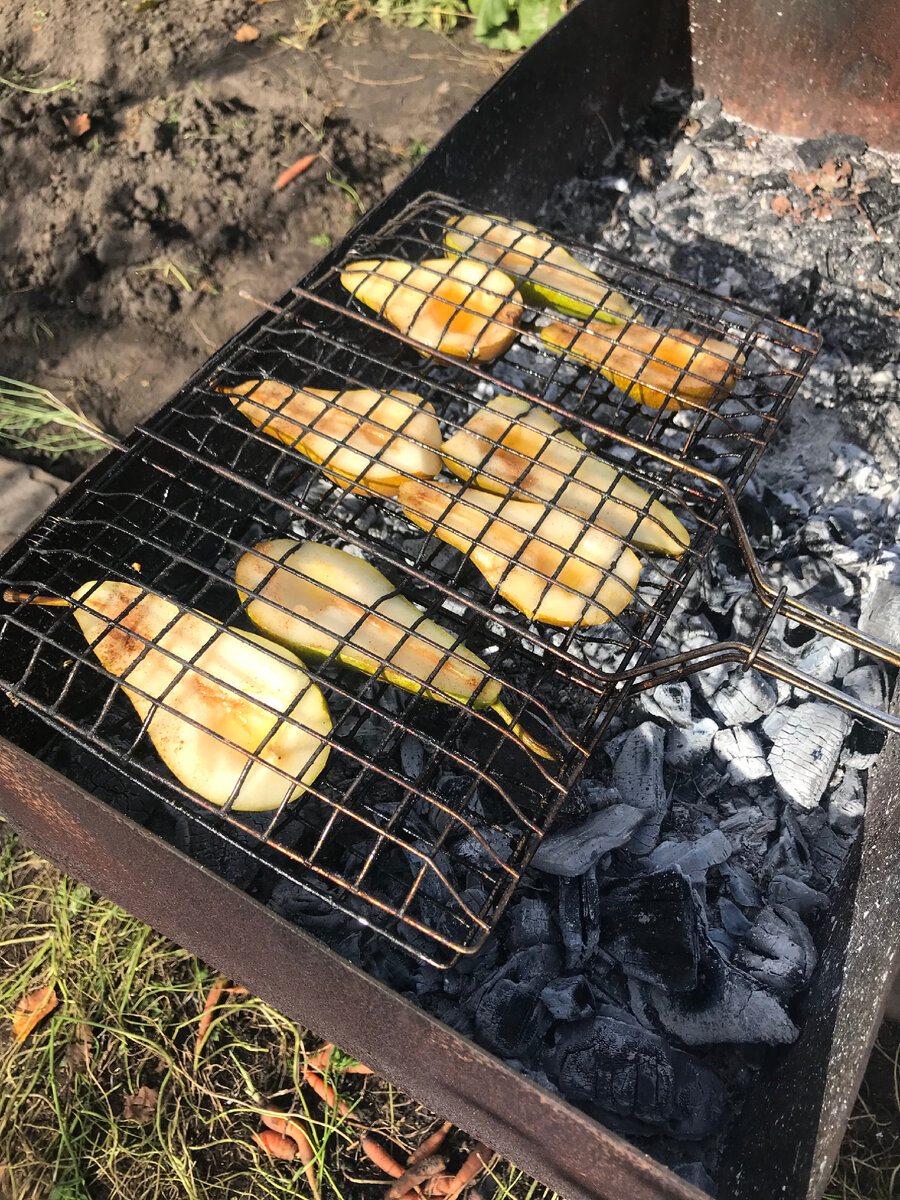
(745, 698)
(617, 1068)
(778, 951)
(742, 753)
(733, 920)
(722, 940)
(697, 1174)
(511, 1019)
(793, 893)
(536, 964)
(412, 756)
(638, 775)
(866, 684)
(652, 928)
(805, 751)
(530, 923)
(750, 829)
(579, 919)
(789, 854)
(880, 616)
(816, 152)
(595, 795)
(671, 702)
(827, 847)
(568, 998)
(725, 1006)
(708, 779)
(693, 858)
(742, 887)
(684, 747)
(576, 850)
(847, 803)
(774, 721)
(826, 659)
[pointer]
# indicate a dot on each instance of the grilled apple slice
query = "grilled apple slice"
(544, 271)
(222, 731)
(513, 448)
(320, 600)
(674, 370)
(461, 307)
(366, 441)
(549, 565)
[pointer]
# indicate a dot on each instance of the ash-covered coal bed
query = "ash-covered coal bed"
(658, 948)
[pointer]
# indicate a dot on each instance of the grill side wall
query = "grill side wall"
(292, 971)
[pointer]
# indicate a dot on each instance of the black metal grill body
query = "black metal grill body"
(114, 513)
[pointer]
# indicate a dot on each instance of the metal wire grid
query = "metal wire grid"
(429, 861)
(720, 434)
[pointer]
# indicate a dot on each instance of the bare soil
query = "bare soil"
(102, 234)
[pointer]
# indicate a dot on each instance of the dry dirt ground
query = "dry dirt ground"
(123, 248)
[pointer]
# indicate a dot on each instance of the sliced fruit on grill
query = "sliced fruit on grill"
(544, 271)
(365, 440)
(456, 305)
(511, 447)
(672, 369)
(232, 715)
(320, 600)
(551, 566)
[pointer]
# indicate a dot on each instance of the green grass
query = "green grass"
(129, 1006)
(33, 419)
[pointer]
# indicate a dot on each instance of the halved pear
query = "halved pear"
(367, 441)
(551, 566)
(461, 307)
(513, 448)
(674, 370)
(320, 600)
(543, 270)
(249, 705)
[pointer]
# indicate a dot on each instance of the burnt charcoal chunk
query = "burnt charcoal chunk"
(791, 893)
(805, 751)
(778, 951)
(638, 775)
(816, 152)
(624, 1070)
(569, 998)
(579, 920)
(725, 1006)
(745, 698)
(529, 922)
(698, 1175)
(576, 850)
(511, 1019)
(693, 858)
(652, 928)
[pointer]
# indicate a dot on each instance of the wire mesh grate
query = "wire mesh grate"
(429, 806)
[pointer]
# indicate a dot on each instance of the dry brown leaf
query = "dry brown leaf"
(834, 175)
(78, 1052)
(77, 126)
(781, 206)
(141, 1106)
(31, 1010)
(246, 33)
